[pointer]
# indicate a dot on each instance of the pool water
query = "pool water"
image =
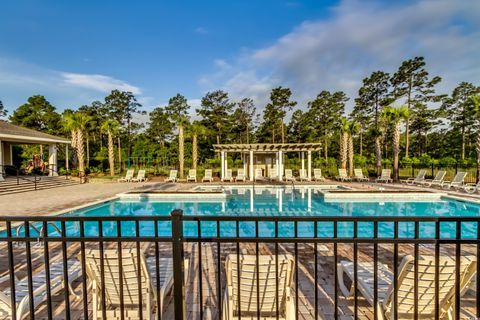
(280, 202)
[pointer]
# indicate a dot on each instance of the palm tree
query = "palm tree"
(177, 111)
(68, 124)
(344, 133)
(77, 122)
(111, 127)
(395, 115)
(354, 128)
(196, 129)
(475, 100)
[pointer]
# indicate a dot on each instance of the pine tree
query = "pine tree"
(216, 112)
(177, 111)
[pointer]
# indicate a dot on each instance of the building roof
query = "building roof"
(268, 147)
(12, 133)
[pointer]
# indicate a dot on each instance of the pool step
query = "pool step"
(25, 184)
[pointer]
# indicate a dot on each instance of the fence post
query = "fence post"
(178, 265)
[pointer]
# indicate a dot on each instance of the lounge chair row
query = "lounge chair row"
(386, 176)
(129, 176)
(458, 182)
(192, 175)
(241, 274)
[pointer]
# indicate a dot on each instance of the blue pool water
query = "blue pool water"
(279, 202)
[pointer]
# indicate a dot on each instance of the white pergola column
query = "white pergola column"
(244, 160)
(280, 165)
(277, 169)
(302, 156)
(1, 161)
(222, 171)
(226, 164)
(309, 165)
(251, 165)
(52, 160)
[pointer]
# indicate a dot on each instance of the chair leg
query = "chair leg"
(346, 292)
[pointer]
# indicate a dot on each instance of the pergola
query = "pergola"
(11, 134)
(267, 156)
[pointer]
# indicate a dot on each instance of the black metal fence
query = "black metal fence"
(49, 267)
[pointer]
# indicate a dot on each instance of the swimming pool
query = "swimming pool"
(286, 202)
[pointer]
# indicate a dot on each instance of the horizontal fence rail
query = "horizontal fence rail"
(224, 267)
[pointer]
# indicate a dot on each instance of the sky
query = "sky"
(75, 52)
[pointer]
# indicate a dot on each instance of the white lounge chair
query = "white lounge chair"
(208, 176)
(456, 183)
(140, 176)
(471, 187)
(267, 280)
(419, 179)
(272, 175)
(303, 175)
(130, 273)
(317, 175)
(39, 288)
(128, 176)
(436, 181)
(289, 175)
(342, 175)
(406, 283)
(359, 175)
(228, 176)
(259, 175)
(386, 176)
(240, 175)
(192, 175)
(172, 177)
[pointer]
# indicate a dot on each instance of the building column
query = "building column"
(309, 165)
(280, 165)
(251, 165)
(1, 161)
(52, 160)
(66, 156)
(277, 170)
(226, 164)
(244, 160)
(222, 171)
(302, 156)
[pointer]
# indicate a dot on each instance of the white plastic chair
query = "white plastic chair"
(192, 175)
(128, 176)
(172, 177)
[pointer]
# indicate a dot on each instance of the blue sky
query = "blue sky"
(76, 52)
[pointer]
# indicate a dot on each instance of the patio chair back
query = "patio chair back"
(440, 176)
(303, 173)
(173, 174)
(129, 174)
(141, 175)
(386, 173)
(241, 276)
(258, 173)
(358, 173)
(111, 280)
(208, 174)
(342, 173)
(228, 174)
(317, 173)
(192, 173)
(426, 285)
(459, 178)
(421, 175)
(288, 174)
(240, 173)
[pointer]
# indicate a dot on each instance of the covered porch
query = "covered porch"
(15, 135)
(269, 157)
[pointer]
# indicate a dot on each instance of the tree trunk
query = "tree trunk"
(194, 151)
(396, 150)
(407, 122)
(81, 155)
(325, 146)
(111, 155)
(74, 149)
(248, 135)
(88, 150)
(119, 154)
(350, 155)
(361, 143)
(283, 132)
(181, 150)
(463, 144)
(344, 150)
(478, 156)
(378, 154)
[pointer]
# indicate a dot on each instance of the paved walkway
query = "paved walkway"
(56, 199)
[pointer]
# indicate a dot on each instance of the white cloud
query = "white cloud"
(98, 82)
(201, 30)
(358, 38)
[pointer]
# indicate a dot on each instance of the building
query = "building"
(11, 134)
